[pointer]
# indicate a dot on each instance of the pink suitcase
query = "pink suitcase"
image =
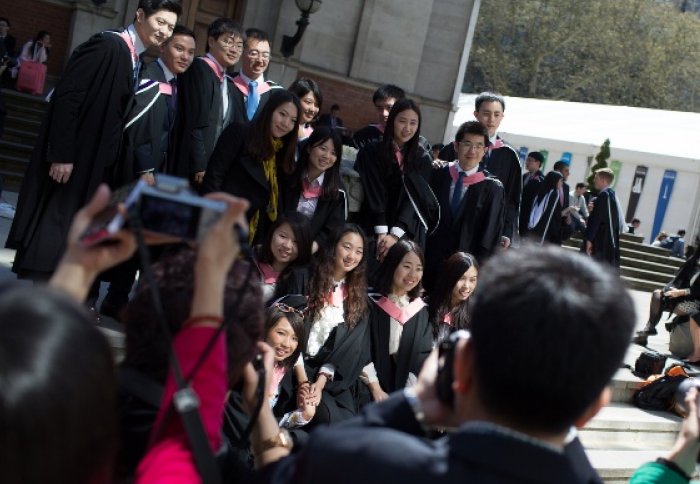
(31, 77)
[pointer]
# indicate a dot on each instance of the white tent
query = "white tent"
(659, 140)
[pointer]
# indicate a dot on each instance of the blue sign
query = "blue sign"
(664, 196)
(566, 157)
(522, 154)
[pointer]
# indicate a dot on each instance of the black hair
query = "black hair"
(335, 107)
(549, 330)
(580, 185)
(331, 180)
(182, 30)
(59, 391)
(681, 232)
(301, 228)
(536, 155)
(150, 7)
(386, 91)
(472, 127)
(636, 220)
(259, 140)
(273, 316)
(5, 19)
(256, 34)
(304, 85)
(453, 268)
(560, 165)
(384, 277)
(410, 149)
(549, 183)
(486, 97)
(221, 26)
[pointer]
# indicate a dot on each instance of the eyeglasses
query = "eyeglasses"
(288, 309)
(256, 54)
(234, 42)
(469, 145)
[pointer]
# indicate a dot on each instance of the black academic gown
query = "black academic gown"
(201, 120)
(240, 111)
(394, 198)
(147, 130)
(371, 134)
(415, 345)
(347, 349)
(530, 187)
(83, 126)
(603, 229)
(330, 212)
(549, 226)
(504, 164)
(477, 226)
(233, 171)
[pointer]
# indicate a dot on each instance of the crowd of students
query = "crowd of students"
(355, 303)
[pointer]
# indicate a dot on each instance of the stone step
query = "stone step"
(19, 135)
(12, 170)
(27, 111)
(649, 257)
(627, 244)
(19, 150)
(632, 237)
(643, 274)
(641, 284)
(622, 426)
(617, 466)
(18, 122)
(649, 266)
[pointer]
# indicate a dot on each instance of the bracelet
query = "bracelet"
(192, 320)
(674, 467)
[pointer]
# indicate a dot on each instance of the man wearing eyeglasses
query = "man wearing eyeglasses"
(205, 100)
(251, 90)
(472, 203)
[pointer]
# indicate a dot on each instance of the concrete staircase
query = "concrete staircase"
(642, 266)
(24, 115)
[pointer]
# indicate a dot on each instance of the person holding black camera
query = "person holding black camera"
(537, 363)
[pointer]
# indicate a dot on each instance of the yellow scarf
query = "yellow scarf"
(270, 168)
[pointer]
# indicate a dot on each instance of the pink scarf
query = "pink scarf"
(278, 373)
(398, 156)
(310, 191)
(130, 44)
(269, 275)
(339, 294)
(240, 83)
(477, 177)
(218, 70)
(498, 143)
(402, 315)
(447, 318)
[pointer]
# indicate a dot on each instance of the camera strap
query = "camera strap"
(185, 399)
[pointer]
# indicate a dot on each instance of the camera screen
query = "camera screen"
(170, 217)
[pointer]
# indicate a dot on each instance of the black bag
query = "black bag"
(649, 363)
(659, 394)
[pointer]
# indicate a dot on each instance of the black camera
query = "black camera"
(169, 207)
(446, 357)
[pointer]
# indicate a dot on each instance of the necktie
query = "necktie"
(253, 99)
(457, 193)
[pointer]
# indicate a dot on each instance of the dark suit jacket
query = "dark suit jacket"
(384, 445)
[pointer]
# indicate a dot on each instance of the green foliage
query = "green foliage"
(601, 161)
(642, 53)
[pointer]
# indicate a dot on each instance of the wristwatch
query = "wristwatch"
(282, 439)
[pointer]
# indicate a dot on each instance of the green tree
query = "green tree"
(601, 161)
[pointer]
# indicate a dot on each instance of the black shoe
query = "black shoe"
(640, 339)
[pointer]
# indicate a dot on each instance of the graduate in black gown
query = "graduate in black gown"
(472, 219)
(602, 237)
(206, 100)
(501, 159)
(338, 336)
(531, 181)
(395, 173)
(401, 333)
(79, 140)
(544, 220)
(315, 188)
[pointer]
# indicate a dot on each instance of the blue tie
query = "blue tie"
(253, 99)
(457, 193)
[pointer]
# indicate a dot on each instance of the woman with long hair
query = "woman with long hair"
(38, 49)
(247, 160)
(310, 97)
(287, 246)
(544, 222)
(401, 334)
(315, 188)
(337, 345)
(395, 173)
(449, 302)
